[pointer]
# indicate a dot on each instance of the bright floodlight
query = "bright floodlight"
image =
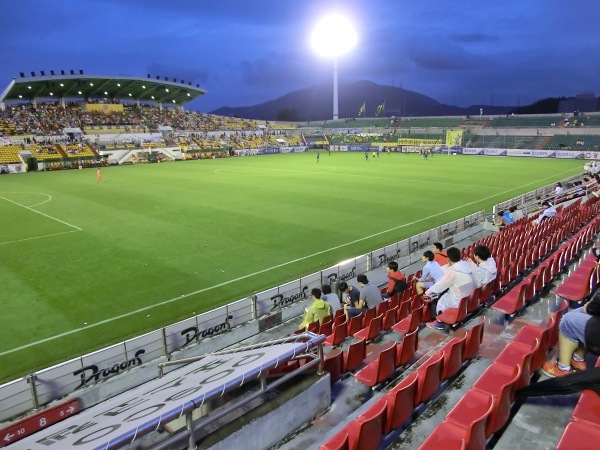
(333, 36)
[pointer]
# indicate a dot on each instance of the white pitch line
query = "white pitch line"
(243, 277)
(41, 213)
(39, 237)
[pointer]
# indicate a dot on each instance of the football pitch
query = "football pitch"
(87, 265)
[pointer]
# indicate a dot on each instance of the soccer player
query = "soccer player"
(318, 156)
(367, 156)
(99, 176)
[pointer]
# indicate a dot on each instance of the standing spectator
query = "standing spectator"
(396, 280)
(318, 310)
(331, 298)
(484, 267)
(439, 256)
(456, 283)
(432, 272)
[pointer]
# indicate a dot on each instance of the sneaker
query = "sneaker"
(551, 369)
(435, 325)
(595, 194)
(578, 365)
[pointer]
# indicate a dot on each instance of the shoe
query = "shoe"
(595, 194)
(578, 365)
(434, 324)
(551, 369)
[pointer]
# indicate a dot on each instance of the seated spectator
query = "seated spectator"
(432, 272)
(484, 267)
(439, 256)
(578, 329)
(318, 310)
(396, 280)
(503, 219)
(349, 294)
(331, 298)
(456, 283)
(547, 213)
(515, 213)
(369, 297)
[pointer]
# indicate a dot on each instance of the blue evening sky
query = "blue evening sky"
(245, 52)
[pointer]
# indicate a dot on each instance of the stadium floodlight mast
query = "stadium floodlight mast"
(333, 36)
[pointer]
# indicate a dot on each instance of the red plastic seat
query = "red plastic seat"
(379, 370)
(588, 408)
(577, 287)
(371, 331)
(333, 363)
(474, 300)
(403, 311)
(369, 315)
(326, 328)
(354, 324)
(366, 431)
(389, 319)
(313, 327)
(405, 350)
(400, 401)
(499, 381)
(355, 355)
(579, 436)
(472, 413)
(453, 352)
(513, 301)
(557, 315)
(339, 313)
(411, 323)
(486, 292)
(516, 353)
(337, 336)
(452, 316)
(528, 334)
(473, 339)
(429, 375)
(339, 319)
(383, 307)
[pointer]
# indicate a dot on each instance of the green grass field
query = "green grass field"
(83, 265)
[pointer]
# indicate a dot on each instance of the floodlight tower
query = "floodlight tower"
(333, 36)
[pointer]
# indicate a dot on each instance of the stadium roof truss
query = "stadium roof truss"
(97, 87)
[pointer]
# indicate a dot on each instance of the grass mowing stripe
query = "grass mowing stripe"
(243, 277)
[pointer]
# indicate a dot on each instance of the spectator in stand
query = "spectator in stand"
(349, 294)
(318, 310)
(548, 212)
(503, 219)
(559, 192)
(578, 329)
(439, 256)
(456, 283)
(396, 280)
(515, 213)
(369, 297)
(432, 272)
(484, 267)
(331, 298)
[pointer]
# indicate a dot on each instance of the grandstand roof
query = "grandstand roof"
(94, 86)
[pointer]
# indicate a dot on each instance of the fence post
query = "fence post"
(34, 395)
(164, 341)
(254, 307)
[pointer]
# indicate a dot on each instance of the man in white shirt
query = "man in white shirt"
(456, 283)
(484, 267)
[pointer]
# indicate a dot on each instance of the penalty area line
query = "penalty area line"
(43, 214)
(243, 277)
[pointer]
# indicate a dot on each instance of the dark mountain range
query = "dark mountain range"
(315, 103)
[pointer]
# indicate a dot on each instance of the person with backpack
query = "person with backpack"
(396, 280)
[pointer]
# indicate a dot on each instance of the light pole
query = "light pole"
(333, 36)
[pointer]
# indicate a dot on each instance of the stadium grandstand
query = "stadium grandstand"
(243, 375)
